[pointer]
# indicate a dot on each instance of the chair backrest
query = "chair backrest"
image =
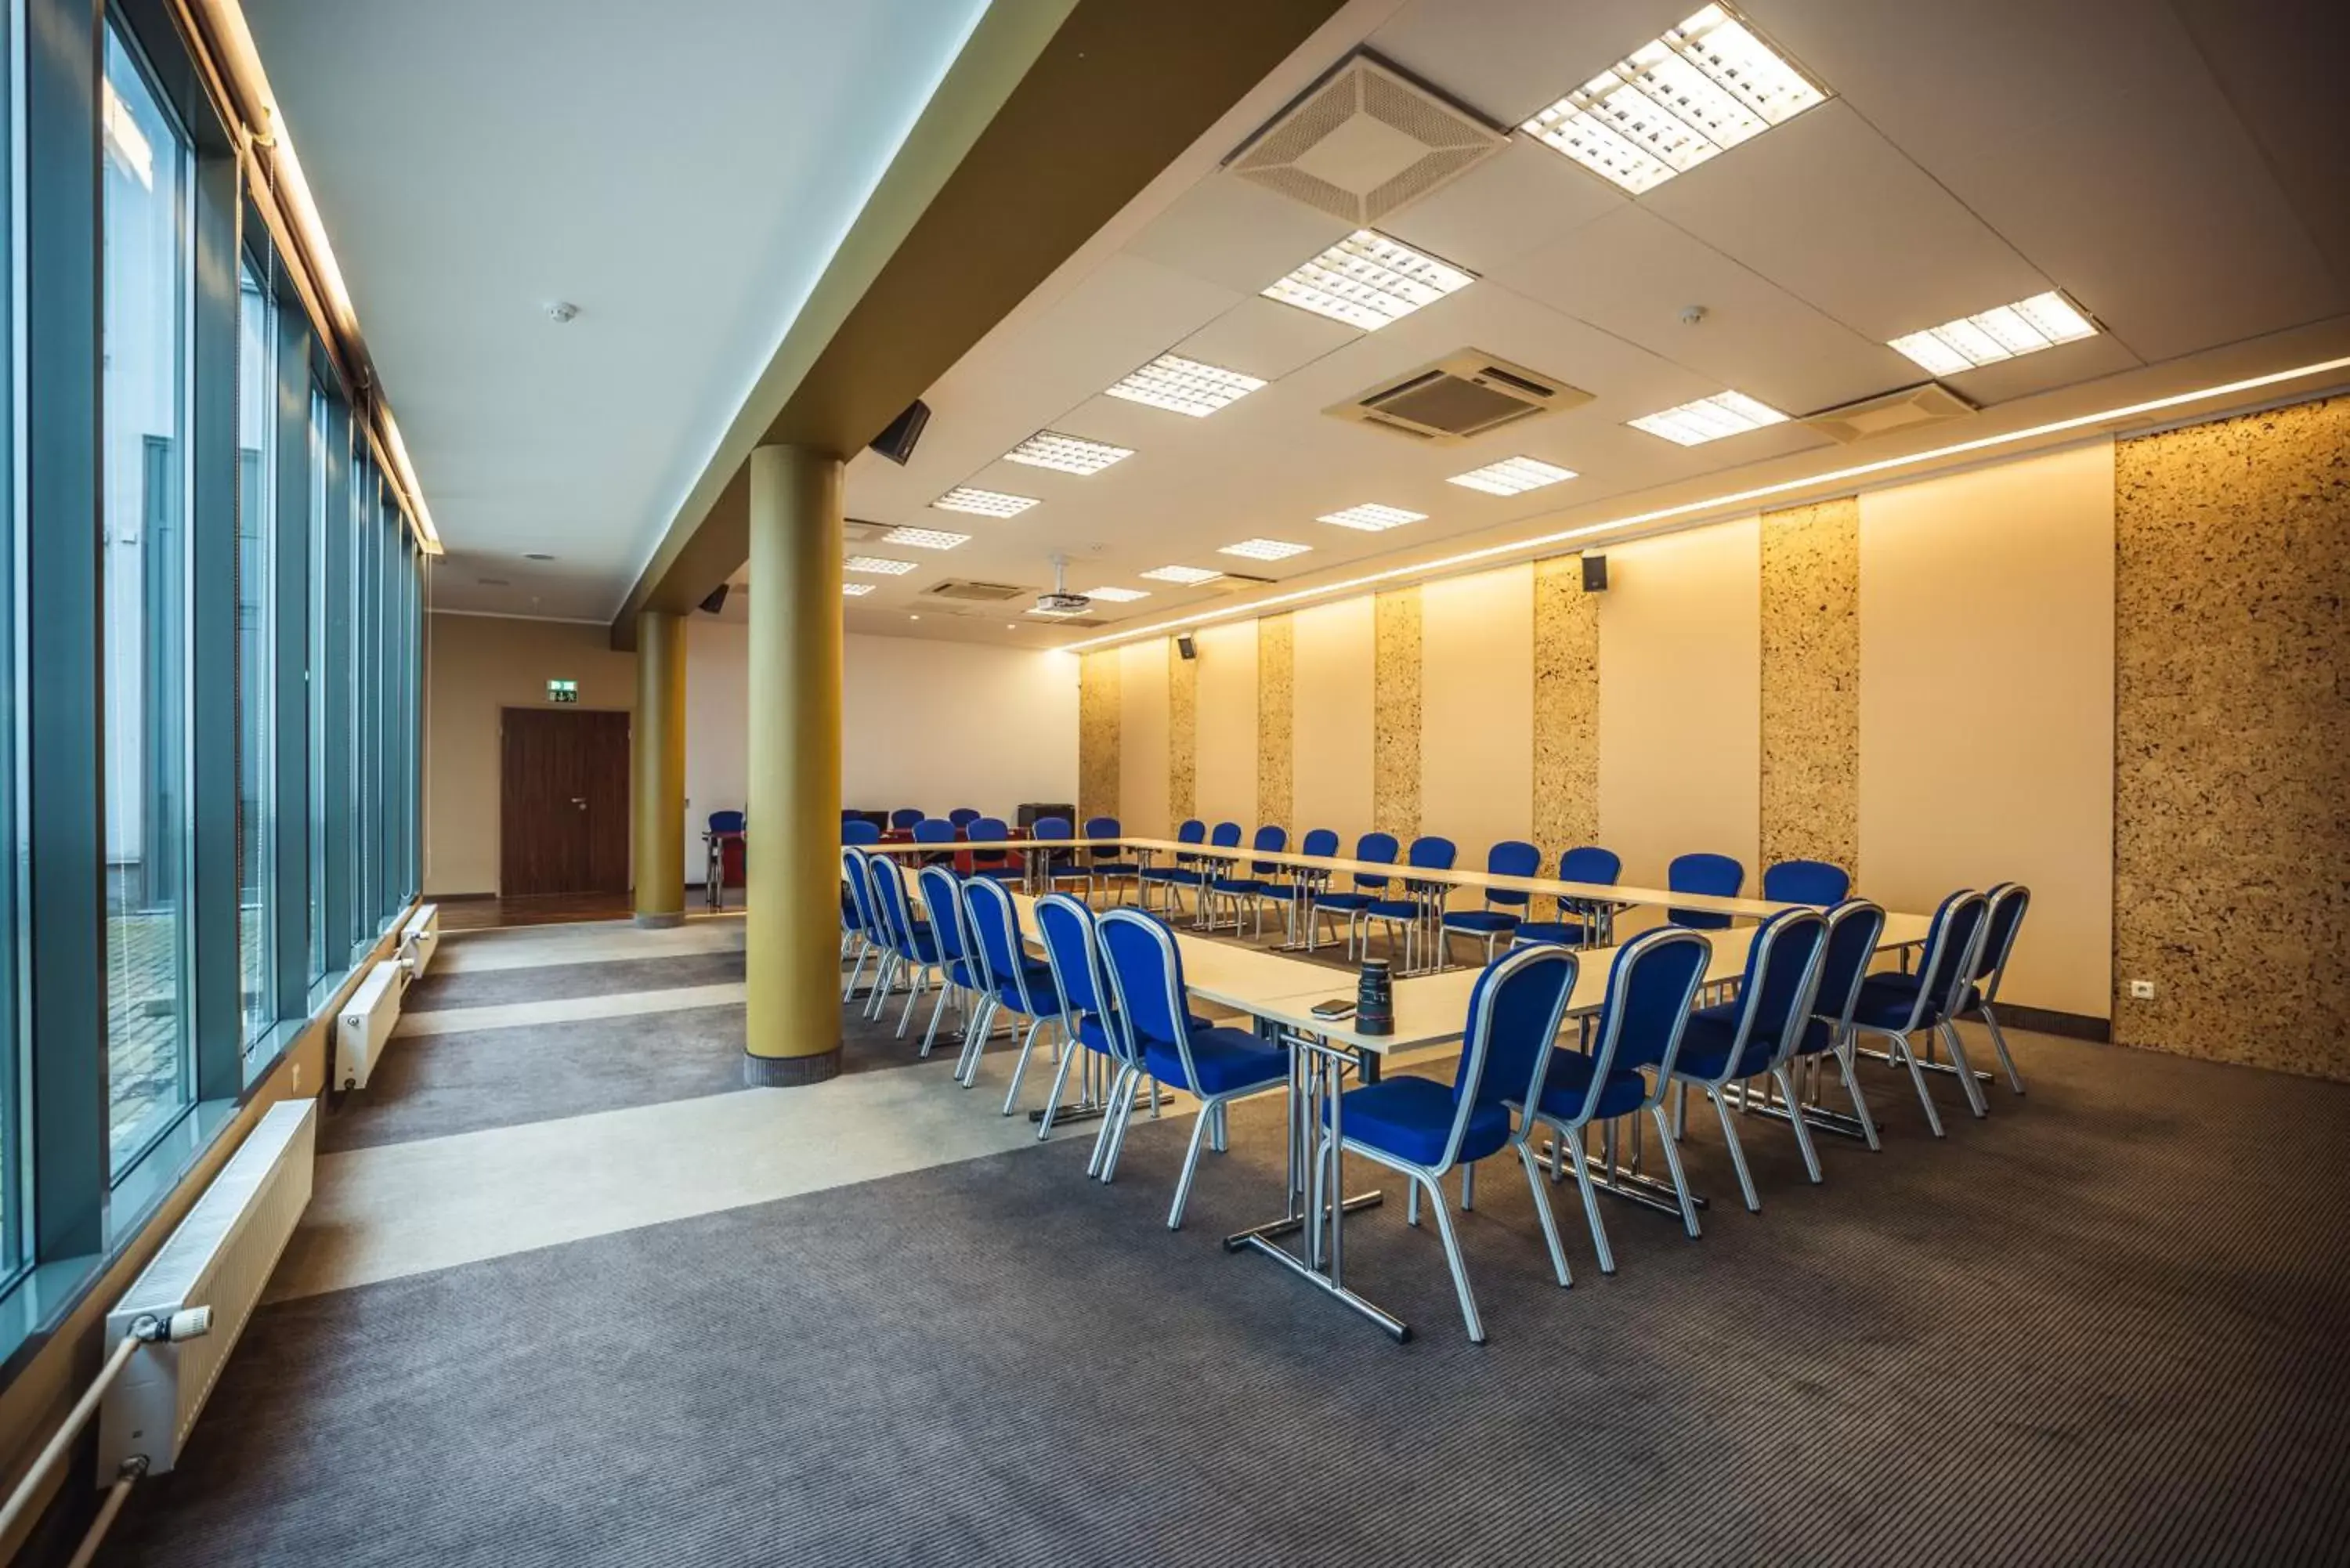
(989, 830)
(1854, 928)
(859, 830)
(905, 817)
(1055, 827)
(963, 815)
(1227, 836)
(889, 898)
(1717, 875)
(1816, 882)
(2008, 900)
(1273, 841)
(732, 822)
(1650, 987)
(943, 897)
(995, 933)
(1776, 994)
(934, 830)
(1589, 862)
(1105, 827)
(860, 894)
(1319, 841)
(1512, 857)
(1379, 848)
(1947, 967)
(1191, 830)
(1066, 926)
(1514, 1010)
(1145, 981)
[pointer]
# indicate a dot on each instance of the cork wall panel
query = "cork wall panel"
(2231, 745)
(1182, 735)
(1276, 697)
(1099, 714)
(1566, 707)
(1811, 683)
(1396, 712)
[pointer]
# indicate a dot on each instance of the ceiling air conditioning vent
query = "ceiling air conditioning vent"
(1365, 141)
(966, 589)
(1461, 396)
(1929, 404)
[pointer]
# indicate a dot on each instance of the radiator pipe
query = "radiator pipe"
(133, 1470)
(192, 1323)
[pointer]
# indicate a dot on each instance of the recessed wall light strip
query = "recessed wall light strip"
(1524, 548)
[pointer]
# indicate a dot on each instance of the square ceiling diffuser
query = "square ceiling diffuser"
(1365, 141)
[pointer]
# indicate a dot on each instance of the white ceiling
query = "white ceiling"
(681, 176)
(1976, 151)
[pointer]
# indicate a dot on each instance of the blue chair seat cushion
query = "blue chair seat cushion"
(1228, 1059)
(924, 943)
(1568, 1082)
(1480, 920)
(1566, 933)
(964, 973)
(1243, 885)
(1705, 1045)
(1345, 901)
(1393, 910)
(1095, 1036)
(1887, 1001)
(1040, 989)
(1411, 1118)
(1115, 868)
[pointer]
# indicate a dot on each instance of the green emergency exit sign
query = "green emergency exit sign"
(563, 691)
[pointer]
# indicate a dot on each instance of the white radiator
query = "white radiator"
(363, 1027)
(219, 1258)
(419, 938)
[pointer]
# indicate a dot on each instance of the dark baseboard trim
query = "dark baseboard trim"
(790, 1072)
(456, 897)
(2048, 1021)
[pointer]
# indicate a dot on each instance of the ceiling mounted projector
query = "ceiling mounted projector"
(1061, 601)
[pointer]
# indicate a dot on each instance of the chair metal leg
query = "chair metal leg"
(1118, 1139)
(1542, 1213)
(938, 1011)
(1845, 1059)
(857, 970)
(1052, 1096)
(1190, 1164)
(1673, 1166)
(1572, 1144)
(1795, 1120)
(1737, 1150)
(914, 994)
(1109, 1120)
(1452, 1259)
(1020, 1064)
(1998, 1044)
(1411, 1206)
(974, 1042)
(1918, 1077)
(1967, 1081)
(1468, 1187)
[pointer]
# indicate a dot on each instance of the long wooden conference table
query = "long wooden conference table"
(1279, 992)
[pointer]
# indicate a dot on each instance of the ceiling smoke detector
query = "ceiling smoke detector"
(1366, 140)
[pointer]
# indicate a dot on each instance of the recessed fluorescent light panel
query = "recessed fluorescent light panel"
(1710, 418)
(1069, 454)
(983, 502)
(879, 566)
(1512, 476)
(855, 590)
(1372, 518)
(1265, 549)
(1190, 576)
(1185, 386)
(1118, 595)
(1703, 88)
(2025, 327)
(925, 538)
(1367, 280)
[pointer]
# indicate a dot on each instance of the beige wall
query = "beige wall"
(1142, 738)
(1331, 722)
(479, 665)
(1225, 735)
(1986, 705)
(1477, 685)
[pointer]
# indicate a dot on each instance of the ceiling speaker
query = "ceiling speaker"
(715, 600)
(1595, 574)
(897, 442)
(1184, 645)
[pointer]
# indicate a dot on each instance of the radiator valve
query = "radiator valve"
(188, 1323)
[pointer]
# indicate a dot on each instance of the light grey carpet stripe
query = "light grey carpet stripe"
(552, 983)
(2102, 1327)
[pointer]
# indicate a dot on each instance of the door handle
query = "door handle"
(580, 801)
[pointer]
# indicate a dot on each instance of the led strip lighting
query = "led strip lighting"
(1524, 547)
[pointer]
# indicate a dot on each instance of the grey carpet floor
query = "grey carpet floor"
(553, 982)
(2104, 1325)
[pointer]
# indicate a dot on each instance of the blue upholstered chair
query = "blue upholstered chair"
(935, 830)
(1650, 985)
(1218, 1065)
(1004, 865)
(1503, 911)
(1755, 1035)
(1424, 1129)
(1237, 885)
(1016, 984)
(1815, 882)
(911, 938)
(1897, 1006)
(1109, 862)
(1182, 871)
(1066, 926)
(1378, 848)
(1420, 899)
(863, 934)
(723, 822)
(1056, 865)
(1290, 885)
(886, 940)
(1854, 928)
(1579, 923)
(964, 815)
(2008, 901)
(902, 820)
(859, 830)
(958, 963)
(1716, 876)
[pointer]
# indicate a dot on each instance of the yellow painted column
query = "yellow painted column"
(656, 804)
(792, 1030)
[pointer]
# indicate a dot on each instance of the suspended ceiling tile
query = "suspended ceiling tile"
(1522, 198)
(1236, 235)
(1265, 338)
(1510, 59)
(2064, 366)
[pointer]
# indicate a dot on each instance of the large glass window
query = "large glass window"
(12, 1081)
(256, 593)
(320, 586)
(147, 286)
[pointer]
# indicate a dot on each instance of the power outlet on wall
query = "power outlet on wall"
(2141, 991)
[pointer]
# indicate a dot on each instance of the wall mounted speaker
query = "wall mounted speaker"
(1595, 574)
(1184, 646)
(716, 599)
(897, 442)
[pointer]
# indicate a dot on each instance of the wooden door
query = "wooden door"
(563, 806)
